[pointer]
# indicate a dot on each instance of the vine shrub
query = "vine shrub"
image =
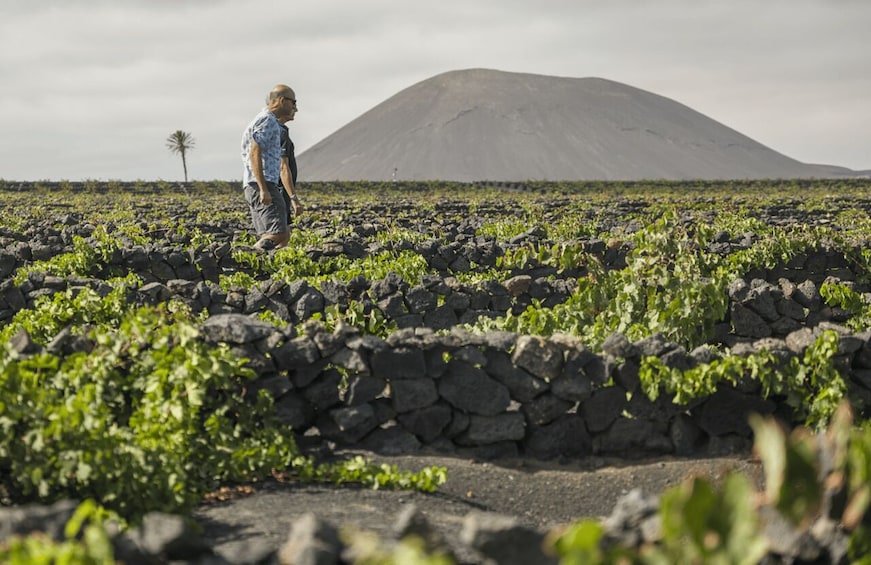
(706, 523)
(810, 479)
(86, 542)
(72, 308)
(149, 418)
(671, 285)
(856, 304)
(812, 385)
(89, 256)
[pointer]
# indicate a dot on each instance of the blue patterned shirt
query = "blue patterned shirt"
(266, 131)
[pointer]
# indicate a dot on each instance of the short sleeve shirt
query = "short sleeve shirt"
(266, 131)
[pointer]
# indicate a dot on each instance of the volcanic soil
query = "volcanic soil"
(541, 495)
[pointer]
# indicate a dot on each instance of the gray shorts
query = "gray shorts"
(271, 219)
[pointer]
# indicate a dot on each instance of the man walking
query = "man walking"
(261, 158)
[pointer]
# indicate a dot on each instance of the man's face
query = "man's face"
(288, 106)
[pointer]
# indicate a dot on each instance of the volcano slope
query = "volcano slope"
(481, 124)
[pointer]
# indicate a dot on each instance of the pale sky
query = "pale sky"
(90, 89)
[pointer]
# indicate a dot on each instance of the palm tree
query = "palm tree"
(180, 142)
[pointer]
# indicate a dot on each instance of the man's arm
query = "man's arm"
(256, 161)
(286, 178)
(287, 181)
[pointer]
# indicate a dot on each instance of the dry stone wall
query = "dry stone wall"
(492, 394)
(766, 302)
(503, 394)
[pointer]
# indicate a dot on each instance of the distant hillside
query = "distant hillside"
(483, 124)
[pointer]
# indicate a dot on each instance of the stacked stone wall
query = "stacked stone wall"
(499, 393)
(767, 302)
